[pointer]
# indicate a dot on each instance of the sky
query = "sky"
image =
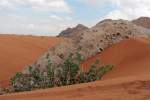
(50, 17)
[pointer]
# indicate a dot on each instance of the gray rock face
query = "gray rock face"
(69, 32)
(90, 41)
(143, 22)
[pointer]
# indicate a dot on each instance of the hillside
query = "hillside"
(127, 88)
(142, 21)
(71, 32)
(93, 40)
(17, 52)
(130, 77)
(121, 43)
(130, 57)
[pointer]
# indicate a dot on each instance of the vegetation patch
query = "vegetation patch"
(68, 73)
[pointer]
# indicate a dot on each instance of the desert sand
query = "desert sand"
(129, 80)
(16, 52)
(127, 88)
(129, 57)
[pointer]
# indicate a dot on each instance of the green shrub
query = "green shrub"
(50, 73)
(20, 82)
(4, 91)
(67, 74)
(69, 71)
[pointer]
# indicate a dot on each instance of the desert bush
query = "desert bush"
(50, 73)
(68, 73)
(13, 80)
(104, 69)
(21, 83)
(1, 92)
(4, 91)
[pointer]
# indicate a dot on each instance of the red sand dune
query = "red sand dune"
(130, 57)
(128, 88)
(16, 52)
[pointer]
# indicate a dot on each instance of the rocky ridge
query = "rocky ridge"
(90, 41)
(70, 32)
(142, 21)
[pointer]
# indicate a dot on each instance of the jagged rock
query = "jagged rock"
(90, 41)
(70, 32)
(142, 21)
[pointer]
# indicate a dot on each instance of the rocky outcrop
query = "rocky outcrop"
(142, 21)
(90, 41)
(70, 32)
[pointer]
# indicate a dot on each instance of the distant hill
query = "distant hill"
(142, 21)
(69, 32)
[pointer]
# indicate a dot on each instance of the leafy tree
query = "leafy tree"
(70, 70)
(20, 82)
(50, 73)
(81, 77)
(13, 80)
(103, 70)
(79, 58)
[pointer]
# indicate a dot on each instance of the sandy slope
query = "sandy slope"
(18, 51)
(131, 77)
(128, 88)
(130, 57)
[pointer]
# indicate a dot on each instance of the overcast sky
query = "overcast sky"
(49, 17)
